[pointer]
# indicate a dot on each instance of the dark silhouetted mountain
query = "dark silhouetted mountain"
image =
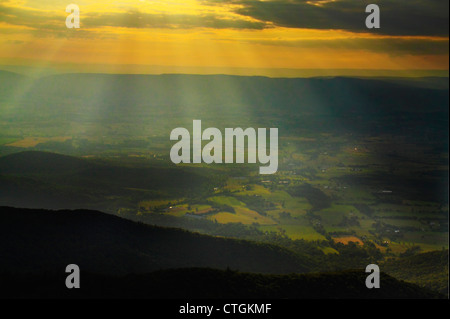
(46, 180)
(195, 283)
(38, 241)
(32, 162)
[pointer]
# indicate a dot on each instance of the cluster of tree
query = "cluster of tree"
(318, 199)
(364, 209)
(428, 269)
(349, 221)
(257, 203)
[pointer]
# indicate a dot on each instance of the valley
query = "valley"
(359, 180)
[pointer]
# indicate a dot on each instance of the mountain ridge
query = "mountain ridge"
(38, 240)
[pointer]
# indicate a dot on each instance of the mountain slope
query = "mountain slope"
(38, 241)
(428, 270)
(31, 162)
(54, 181)
(195, 283)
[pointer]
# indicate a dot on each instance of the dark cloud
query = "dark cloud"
(391, 46)
(398, 17)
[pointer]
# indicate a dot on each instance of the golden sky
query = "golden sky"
(229, 36)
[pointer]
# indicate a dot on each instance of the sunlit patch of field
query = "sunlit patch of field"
(296, 206)
(345, 240)
(302, 232)
(254, 190)
(226, 200)
(225, 218)
(235, 184)
(295, 231)
(329, 250)
(7, 140)
(278, 196)
(201, 209)
(177, 211)
(243, 215)
(251, 214)
(33, 141)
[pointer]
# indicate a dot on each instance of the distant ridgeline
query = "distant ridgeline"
(156, 104)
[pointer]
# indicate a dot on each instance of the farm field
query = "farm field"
(331, 206)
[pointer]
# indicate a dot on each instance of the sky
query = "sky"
(245, 37)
